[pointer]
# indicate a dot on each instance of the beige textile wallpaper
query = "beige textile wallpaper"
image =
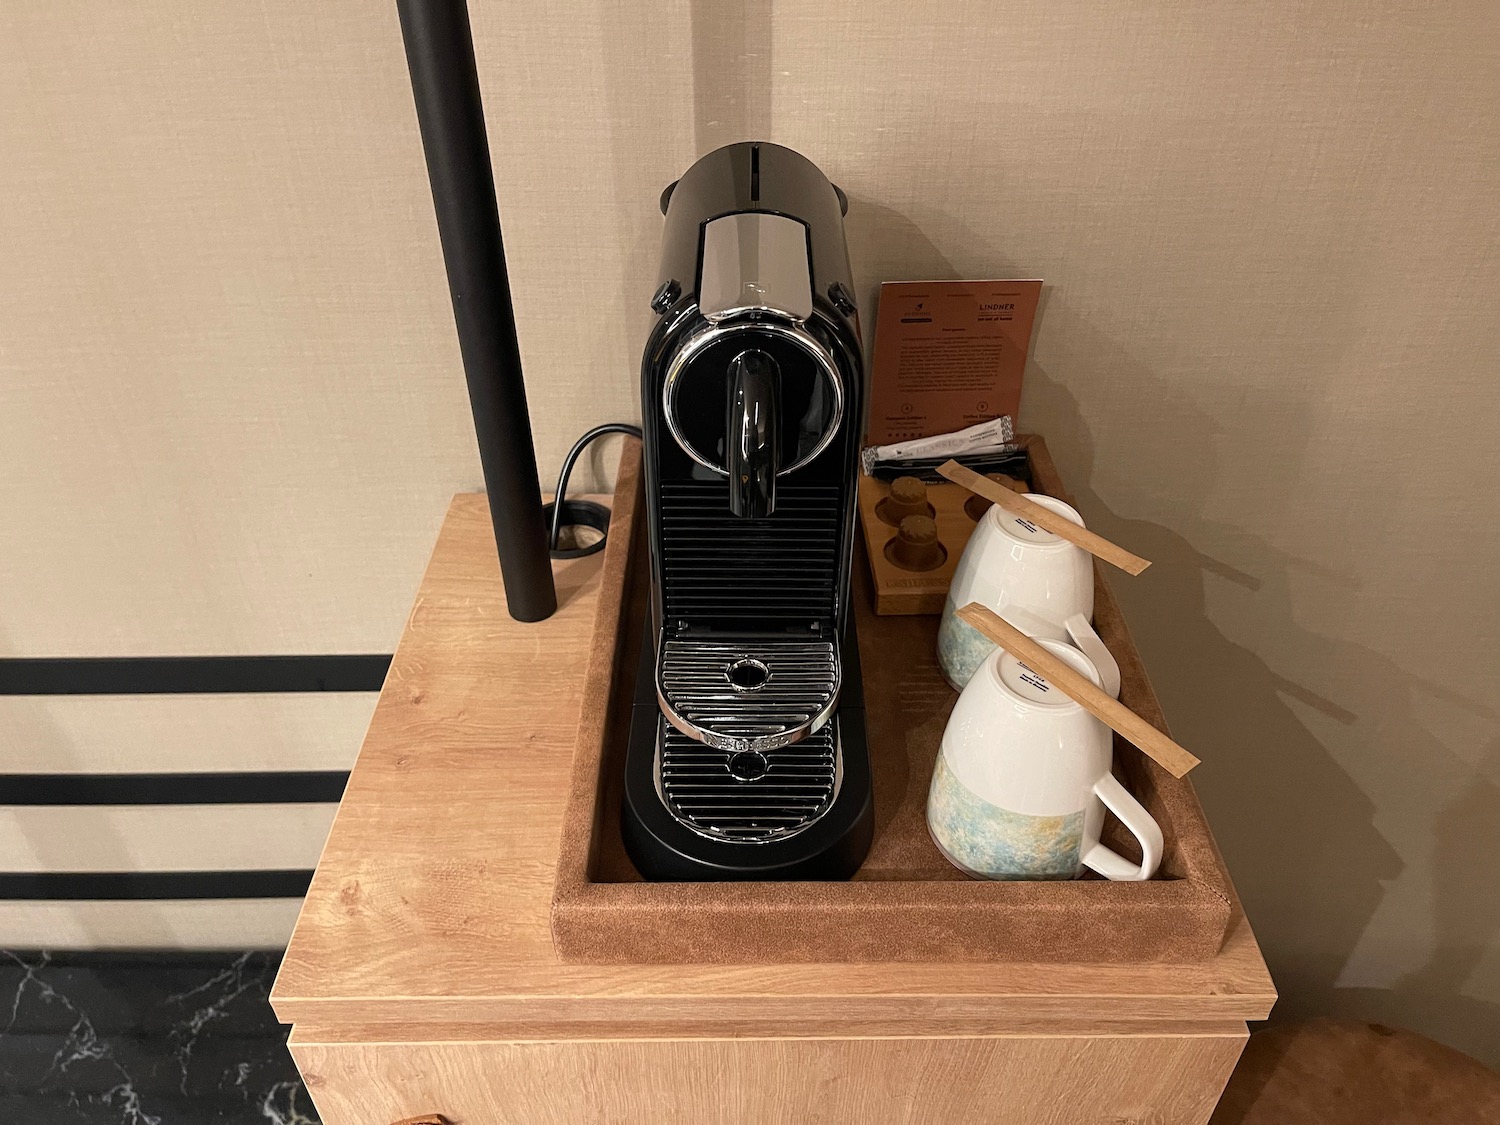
(231, 408)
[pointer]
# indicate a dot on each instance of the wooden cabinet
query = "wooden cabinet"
(421, 978)
(834, 1081)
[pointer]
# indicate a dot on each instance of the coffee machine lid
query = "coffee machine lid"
(752, 262)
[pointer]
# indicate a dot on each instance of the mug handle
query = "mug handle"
(1087, 641)
(1111, 864)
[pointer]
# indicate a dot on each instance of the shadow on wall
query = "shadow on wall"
(732, 72)
(1299, 833)
(885, 245)
(1466, 907)
(731, 45)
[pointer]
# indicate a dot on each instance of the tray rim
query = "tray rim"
(582, 906)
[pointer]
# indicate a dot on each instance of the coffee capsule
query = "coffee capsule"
(908, 497)
(975, 506)
(915, 545)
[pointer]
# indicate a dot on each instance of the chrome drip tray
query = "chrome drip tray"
(747, 693)
(747, 796)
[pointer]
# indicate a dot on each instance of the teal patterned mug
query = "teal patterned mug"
(1023, 779)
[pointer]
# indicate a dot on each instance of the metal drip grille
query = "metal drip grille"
(699, 786)
(726, 572)
(748, 693)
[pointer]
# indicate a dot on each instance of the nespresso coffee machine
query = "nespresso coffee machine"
(747, 755)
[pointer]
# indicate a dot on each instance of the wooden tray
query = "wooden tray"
(906, 903)
(899, 591)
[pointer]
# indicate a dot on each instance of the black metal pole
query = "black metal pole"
(440, 56)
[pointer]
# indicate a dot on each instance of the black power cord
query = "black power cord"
(567, 470)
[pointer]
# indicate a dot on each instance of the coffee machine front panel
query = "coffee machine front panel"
(746, 756)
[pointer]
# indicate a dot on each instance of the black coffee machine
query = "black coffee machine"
(747, 756)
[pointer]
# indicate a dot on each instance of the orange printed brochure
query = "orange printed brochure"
(948, 354)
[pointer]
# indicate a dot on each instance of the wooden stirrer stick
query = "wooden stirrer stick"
(1155, 745)
(1016, 504)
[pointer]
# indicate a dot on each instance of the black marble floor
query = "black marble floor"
(144, 1039)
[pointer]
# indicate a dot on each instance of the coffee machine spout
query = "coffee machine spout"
(750, 433)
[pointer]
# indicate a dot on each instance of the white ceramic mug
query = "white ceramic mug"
(1034, 579)
(1023, 778)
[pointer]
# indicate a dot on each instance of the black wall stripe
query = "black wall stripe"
(115, 885)
(133, 675)
(293, 787)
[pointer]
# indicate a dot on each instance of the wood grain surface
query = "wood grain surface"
(1164, 1079)
(431, 902)
(901, 591)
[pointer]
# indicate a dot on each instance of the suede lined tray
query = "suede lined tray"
(906, 903)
